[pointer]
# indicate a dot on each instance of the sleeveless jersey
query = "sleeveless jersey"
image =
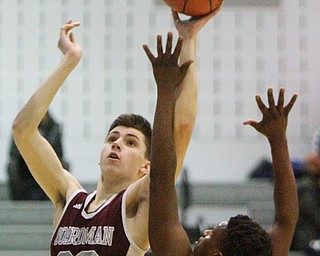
(102, 232)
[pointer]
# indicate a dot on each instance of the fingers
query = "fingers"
(185, 66)
(167, 54)
(162, 54)
(249, 122)
(167, 57)
(290, 104)
(281, 98)
(72, 38)
(159, 45)
(271, 98)
(149, 53)
(252, 123)
(175, 16)
(283, 110)
(169, 45)
(261, 105)
(178, 48)
(279, 107)
(68, 26)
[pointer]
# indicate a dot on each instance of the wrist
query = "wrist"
(188, 35)
(167, 94)
(278, 140)
(71, 60)
(188, 51)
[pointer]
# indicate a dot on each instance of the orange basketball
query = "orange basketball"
(193, 7)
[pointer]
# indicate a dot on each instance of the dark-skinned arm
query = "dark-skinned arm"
(166, 234)
(273, 126)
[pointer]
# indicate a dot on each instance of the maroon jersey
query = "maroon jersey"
(102, 232)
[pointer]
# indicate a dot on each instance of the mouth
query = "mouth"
(113, 156)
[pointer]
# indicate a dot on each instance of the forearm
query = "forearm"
(33, 111)
(163, 157)
(187, 103)
(285, 190)
(162, 187)
(186, 107)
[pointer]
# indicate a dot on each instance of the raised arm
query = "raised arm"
(166, 234)
(36, 151)
(273, 125)
(187, 104)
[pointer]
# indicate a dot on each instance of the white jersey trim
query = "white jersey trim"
(134, 249)
(90, 215)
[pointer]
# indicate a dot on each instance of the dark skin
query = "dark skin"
(166, 234)
(168, 75)
(273, 126)
(167, 72)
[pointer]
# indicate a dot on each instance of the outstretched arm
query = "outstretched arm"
(166, 234)
(273, 125)
(187, 104)
(35, 149)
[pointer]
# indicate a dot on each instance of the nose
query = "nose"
(116, 145)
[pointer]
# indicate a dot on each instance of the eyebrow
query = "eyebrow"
(128, 134)
(133, 135)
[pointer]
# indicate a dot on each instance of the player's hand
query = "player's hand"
(167, 72)
(67, 43)
(275, 117)
(190, 28)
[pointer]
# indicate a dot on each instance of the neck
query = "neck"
(103, 193)
(107, 188)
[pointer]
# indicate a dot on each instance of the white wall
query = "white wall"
(241, 52)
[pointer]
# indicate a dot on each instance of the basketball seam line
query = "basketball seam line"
(184, 6)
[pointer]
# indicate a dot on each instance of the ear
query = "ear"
(145, 168)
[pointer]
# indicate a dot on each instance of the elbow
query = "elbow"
(289, 220)
(18, 128)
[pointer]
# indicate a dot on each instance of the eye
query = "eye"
(131, 143)
(111, 138)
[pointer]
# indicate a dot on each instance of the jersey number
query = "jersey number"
(84, 253)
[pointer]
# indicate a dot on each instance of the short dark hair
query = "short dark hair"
(244, 237)
(137, 122)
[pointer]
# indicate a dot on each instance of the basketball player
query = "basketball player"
(239, 236)
(114, 219)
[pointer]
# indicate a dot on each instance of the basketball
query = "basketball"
(193, 7)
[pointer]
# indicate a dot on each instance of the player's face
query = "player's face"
(124, 153)
(210, 242)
